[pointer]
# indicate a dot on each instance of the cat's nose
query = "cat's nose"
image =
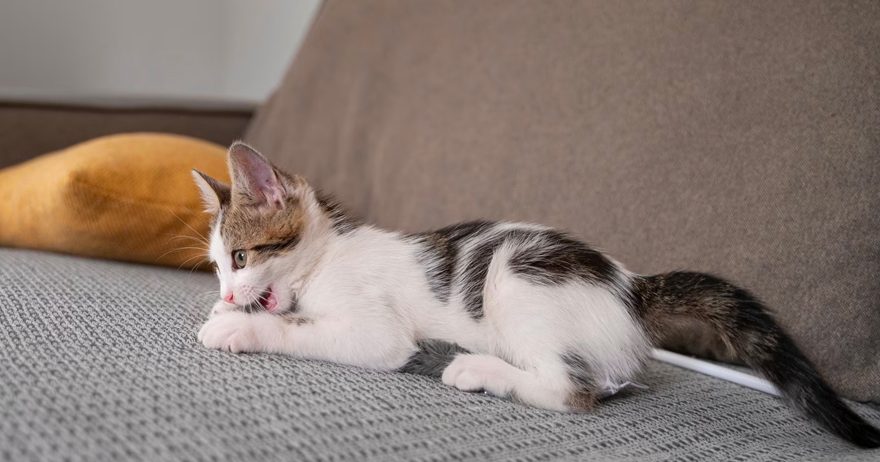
(230, 298)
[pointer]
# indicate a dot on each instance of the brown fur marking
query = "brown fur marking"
(298, 320)
(247, 226)
(581, 400)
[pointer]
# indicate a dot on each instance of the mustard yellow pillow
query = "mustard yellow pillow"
(125, 197)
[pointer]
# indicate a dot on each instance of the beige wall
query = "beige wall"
(194, 49)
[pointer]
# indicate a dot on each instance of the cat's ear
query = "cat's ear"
(256, 178)
(214, 193)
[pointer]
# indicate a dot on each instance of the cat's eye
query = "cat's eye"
(239, 259)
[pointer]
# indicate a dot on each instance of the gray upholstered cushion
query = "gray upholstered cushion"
(28, 130)
(739, 138)
(99, 361)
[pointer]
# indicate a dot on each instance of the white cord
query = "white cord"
(714, 370)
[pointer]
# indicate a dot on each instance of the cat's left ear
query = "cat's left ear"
(254, 177)
(214, 193)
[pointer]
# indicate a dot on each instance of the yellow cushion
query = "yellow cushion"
(125, 197)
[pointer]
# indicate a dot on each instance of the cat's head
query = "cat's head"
(262, 224)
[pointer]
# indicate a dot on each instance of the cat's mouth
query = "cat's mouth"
(268, 300)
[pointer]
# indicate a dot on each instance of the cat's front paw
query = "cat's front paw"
(222, 307)
(233, 331)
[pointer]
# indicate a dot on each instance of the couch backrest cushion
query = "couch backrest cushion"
(737, 138)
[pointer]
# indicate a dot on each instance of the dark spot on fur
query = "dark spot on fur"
(290, 318)
(277, 247)
(583, 397)
(472, 276)
(439, 252)
(432, 358)
(438, 257)
(343, 223)
(541, 256)
(550, 257)
(455, 233)
(578, 370)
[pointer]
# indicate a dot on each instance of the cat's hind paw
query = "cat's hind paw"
(472, 372)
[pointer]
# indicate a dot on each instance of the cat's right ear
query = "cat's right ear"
(214, 193)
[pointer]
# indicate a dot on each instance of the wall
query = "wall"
(194, 49)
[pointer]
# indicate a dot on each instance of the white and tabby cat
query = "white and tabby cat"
(517, 310)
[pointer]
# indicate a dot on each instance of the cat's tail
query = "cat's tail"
(745, 325)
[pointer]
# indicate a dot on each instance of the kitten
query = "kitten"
(516, 310)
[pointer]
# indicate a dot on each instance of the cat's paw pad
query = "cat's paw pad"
(479, 373)
(234, 332)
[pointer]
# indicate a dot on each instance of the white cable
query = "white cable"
(714, 370)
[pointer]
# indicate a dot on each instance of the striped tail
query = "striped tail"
(746, 327)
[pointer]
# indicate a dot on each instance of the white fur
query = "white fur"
(367, 300)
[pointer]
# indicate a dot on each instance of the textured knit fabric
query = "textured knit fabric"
(99, 361)
(739, 138)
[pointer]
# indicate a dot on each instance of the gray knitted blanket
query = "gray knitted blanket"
(98, 361)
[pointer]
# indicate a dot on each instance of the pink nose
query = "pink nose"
(230, 297)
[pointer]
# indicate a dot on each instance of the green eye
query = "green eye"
(239, 259)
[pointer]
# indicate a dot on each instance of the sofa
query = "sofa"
(737, 138)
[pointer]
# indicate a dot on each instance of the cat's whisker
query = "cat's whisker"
(207, 293)
(193, 238)
(187, 224)
(199, 258)
(185, 262)
(191, 248)
(195, 267)
(181, 249)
